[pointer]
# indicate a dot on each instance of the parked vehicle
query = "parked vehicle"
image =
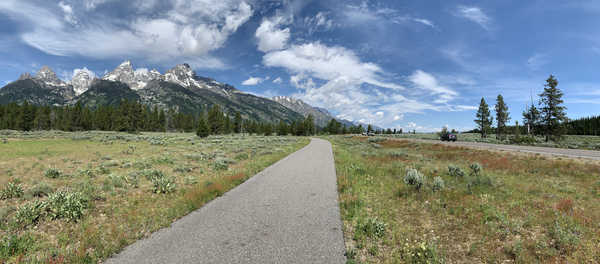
(448, 137)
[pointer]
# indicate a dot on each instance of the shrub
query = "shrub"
(40, 190)
(438, 184)
(565, 234)
(116, 180)
(455, 171)
(182, 169)
(151, 174)
(157, 142)
(68, 205)
(476, 169)
(376, 140)
(15, 245)
(133, 180)
(190, 180)
(372, 227)
(30, 213)
(102, 170)
(397, 154)
(414, 178)
(53, 173)
(86, 173)
(241, 156)
(222, 163)
(12, 190)
(423, 252)
(163, 184)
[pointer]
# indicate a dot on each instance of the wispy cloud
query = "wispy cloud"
(254, 81)
(474, 14)
(537, 61)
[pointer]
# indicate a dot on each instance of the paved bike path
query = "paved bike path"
(287, 213)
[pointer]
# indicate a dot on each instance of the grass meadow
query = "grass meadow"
(413, 202)
(81, 197)
(569, 141)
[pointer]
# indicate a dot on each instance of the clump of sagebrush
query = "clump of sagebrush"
(157, 142)
(11, 190)
(15, 245)
(455, 171)
(53, 173)
(414, 178)
(476, 176)
(86, 173)
(397, 154)
(476, 169)
(371, 227)
(438, 184)
(182, 169)
(222, 163)
(116, 180)
(376, 140)
(163, 184)
(102, 170)
(241, 156)
(565, 234)
(150, 174)
(67, 205)
(190, 180)
(40, 190)
(421, 252)
(30, 213)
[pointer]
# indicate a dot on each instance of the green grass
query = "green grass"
(114, 188)
(569, 141)
(523, 209)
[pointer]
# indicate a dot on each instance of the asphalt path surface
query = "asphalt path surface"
(287, 213)
(569, 153)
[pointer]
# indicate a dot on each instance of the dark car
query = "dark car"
(448, 137)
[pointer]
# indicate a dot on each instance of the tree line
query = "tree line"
(132, 116)
(548, 119)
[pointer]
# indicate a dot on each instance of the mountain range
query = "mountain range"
(179, 88)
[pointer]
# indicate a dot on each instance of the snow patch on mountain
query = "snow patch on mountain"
(82, 80)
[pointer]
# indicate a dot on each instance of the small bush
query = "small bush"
(157, 142)
(222, 163)
(102, 170)
(133, 180)
(241, 156)
(12, 190)
(376, 140)
(53, 173)
(190, 180)
(68, 205)
(182, 169)
(40, 190)
(438, 184)
(455, 171)
(372, 227)
(151, 174)
(476, 169)
(414, 178)
(30, 213)
(86, 173)
(398, 154)
(565, 234)
(163, 184)
(421, 253)
(15, 245)
(116, 180)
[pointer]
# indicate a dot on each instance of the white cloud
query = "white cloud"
(68, 11)
(278, 80)
(428, 82)
(424, 22)
(319, 22)
(474, 14)
(253, 81)
(270, 36)
(536, 61)
(189, 31)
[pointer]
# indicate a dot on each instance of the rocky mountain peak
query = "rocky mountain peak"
(48, 77)
(123, 73)
(25, 76)
(82, 80)
(183, 75)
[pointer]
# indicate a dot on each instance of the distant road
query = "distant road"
(288, 213)
(570, 153)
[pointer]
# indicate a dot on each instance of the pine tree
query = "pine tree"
(502, 116)
(369, 128)
(282, 128)
(531, 119)
(553, 114)
(215, 120)
(237, 123)
(484, 120)
(202, 130)
(309, 125)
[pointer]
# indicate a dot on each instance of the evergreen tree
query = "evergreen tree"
(282, 128)
(215, 120)
(553, 114)
(502, 116)
(531, 119)
(484, 120)
(369, 128)
(237, 123)
(309, 125)
(162, 121)
(203, 129)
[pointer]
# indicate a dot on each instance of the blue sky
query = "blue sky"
(401, 64)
